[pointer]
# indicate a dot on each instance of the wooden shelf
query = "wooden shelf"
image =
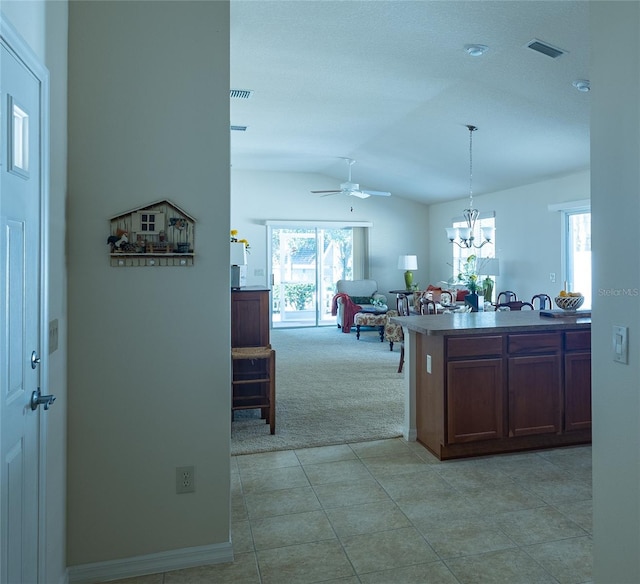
(135, 260)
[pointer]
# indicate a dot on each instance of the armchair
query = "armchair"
(359, 293)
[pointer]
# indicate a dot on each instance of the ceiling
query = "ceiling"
(389, 84)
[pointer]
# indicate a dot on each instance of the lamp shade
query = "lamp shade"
(238, 255)
(408, 262)
(491, 267)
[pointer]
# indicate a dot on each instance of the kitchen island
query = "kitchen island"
(489, 382)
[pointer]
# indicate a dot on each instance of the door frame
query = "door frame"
(12, 39)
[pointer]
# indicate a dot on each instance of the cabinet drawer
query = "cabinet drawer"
(474, 346)
(577, 340)
(534, 343)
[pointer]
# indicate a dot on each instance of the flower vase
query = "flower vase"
(473, 301)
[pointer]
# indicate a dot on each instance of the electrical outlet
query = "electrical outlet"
(552, 277)
(53, 336)
(185, 479)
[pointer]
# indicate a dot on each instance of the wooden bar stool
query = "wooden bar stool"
(253, 385)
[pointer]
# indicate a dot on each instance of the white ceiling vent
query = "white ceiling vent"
(240, 93)
(545, 49)
(238, 128)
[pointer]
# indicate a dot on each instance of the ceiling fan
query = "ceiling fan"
(352, 189)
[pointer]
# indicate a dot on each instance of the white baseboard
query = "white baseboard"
(151, 563)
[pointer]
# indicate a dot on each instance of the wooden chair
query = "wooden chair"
(427, 306)
(506, 296)
(446, 298)
(253, 385)
(544, 301)
(395, 330)
(402, 305)
(515, 305)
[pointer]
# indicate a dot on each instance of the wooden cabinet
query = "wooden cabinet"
(535, 383)
(250, 317)
(482, 394)
(474, 389)
(577, 381)
(474, 400)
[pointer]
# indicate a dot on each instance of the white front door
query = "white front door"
(21, 188)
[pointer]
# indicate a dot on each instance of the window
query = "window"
(577, 248)
(147, 222)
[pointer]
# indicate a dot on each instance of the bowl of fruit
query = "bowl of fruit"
(569, 301)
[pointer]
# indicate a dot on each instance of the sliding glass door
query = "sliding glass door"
(306, 263)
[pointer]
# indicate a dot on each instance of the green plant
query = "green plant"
(298, 295)
(469, 275)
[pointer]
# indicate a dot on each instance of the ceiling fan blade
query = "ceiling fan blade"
(378, 193)
(359, 194)
(332, 191)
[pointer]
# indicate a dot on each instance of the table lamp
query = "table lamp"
(408, 263)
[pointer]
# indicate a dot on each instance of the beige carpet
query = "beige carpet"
(331, 389)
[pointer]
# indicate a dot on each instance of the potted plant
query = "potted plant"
(469, 277)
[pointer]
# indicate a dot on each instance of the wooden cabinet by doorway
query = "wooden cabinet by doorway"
(250, 317)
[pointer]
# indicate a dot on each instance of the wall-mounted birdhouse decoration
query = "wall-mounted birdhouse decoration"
(159, 234)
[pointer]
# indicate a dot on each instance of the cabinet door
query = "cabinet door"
(474, 400)
(250, 318)
(534, 395)
(577, 391)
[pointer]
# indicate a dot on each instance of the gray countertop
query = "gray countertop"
(489, 322)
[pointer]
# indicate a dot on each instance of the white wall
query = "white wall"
(399, 226)
(615, 152)
(43, 25)
(528, 235)
(149, 363)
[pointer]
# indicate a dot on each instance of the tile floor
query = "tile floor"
(388, 512)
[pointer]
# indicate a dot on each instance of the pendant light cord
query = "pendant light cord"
(472, 129)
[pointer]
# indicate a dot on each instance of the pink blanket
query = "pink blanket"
(349, 310)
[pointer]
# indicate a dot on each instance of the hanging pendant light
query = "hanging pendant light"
(465, 236)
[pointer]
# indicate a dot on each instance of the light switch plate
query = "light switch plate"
(620, 344)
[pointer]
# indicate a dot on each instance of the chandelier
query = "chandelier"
(464, 236)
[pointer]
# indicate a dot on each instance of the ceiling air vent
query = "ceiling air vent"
(238, 128)
(545, 49)
(240, 93)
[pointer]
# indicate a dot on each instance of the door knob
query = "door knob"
(37, 399)
(35, 360)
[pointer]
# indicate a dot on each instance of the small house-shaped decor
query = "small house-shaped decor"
(159, 234)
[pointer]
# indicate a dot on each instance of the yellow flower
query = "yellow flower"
(234, 239)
